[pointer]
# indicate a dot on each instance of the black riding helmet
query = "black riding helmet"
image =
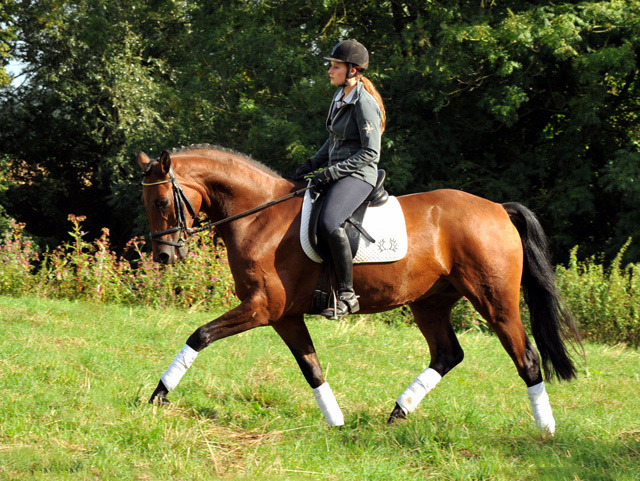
(351, 52)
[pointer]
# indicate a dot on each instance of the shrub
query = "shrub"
(605, 301)
(91, 270)
(17, 260)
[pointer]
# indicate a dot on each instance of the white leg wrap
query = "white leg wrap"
(328, 405)
(418, 389)
(178, 367)
(541, 408)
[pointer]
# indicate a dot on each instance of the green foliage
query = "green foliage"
(91, 92)
(534, 102)
(4, 186)
(79, 269)
(605, 301)
(465, 318)
(17, 260)
(7, 36)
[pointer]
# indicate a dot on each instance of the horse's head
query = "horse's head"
(170, 211)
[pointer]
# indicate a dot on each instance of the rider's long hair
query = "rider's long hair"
(369, 87)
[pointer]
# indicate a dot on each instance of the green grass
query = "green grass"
(75, 378)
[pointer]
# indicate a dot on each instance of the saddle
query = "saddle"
(353, 224)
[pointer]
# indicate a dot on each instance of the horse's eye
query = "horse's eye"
(162, 203)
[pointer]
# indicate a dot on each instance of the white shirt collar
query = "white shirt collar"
(338, 98)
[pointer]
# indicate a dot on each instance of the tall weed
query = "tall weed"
(79, 269)
(605, 300)
(17, 260)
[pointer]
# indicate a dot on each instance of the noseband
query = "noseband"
(179, 202)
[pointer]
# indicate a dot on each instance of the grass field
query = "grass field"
(75, 378)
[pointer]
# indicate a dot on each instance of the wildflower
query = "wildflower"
(76, 219)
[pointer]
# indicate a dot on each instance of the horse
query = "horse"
(459, 245)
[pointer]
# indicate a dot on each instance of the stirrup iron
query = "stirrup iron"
(341, 306)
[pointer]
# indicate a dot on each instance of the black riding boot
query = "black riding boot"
(347, 301)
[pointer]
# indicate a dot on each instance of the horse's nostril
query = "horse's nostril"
(163, 258)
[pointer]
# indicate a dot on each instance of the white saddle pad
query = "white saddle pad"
(385, 224)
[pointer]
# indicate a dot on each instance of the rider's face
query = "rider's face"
(338, 73)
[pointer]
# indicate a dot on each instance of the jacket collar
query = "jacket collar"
(353, 95)
(335, 111)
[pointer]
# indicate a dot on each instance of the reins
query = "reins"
(246, 213)
(180, 199)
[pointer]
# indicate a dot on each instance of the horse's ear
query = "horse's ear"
(143, 160)
(165, 161)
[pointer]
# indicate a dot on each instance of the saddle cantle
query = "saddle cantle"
(376, 230)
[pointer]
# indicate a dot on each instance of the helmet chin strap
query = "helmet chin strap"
(348, 76)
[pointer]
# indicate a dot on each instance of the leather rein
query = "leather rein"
(182, 204)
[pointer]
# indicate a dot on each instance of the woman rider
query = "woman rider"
(355, 123)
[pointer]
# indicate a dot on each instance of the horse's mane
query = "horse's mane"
(225, 150)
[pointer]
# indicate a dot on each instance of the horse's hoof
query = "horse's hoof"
(159, 396)
(397, 415)
(160, 399)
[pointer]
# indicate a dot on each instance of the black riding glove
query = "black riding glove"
(301, 171)
(321, 178)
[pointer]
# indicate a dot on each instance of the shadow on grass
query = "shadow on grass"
(576, 455)
(207, 412)
(516, 452)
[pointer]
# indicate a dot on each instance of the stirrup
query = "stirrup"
(344, 303)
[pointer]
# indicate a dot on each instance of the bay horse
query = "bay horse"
(459, 245)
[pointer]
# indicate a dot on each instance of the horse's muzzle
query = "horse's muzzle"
(169, 256)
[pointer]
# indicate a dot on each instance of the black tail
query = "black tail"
(551, 320)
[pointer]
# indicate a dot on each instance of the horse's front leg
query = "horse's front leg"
(250, 313)
(295, 334)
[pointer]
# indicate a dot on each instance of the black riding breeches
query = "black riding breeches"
(343, 197)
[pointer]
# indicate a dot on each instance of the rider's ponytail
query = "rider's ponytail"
(369, 87)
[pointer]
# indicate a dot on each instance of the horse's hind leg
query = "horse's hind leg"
(500, 306)
(433, 317)
(515, 341)
(295, 334)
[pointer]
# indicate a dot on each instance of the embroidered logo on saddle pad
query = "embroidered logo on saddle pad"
(385, 224)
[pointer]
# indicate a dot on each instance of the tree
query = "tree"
(91, 91)
(529, 103)
(7, 36)
(535, 102)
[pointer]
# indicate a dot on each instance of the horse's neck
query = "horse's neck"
(230, 186)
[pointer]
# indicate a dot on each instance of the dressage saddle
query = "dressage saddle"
(353, 225)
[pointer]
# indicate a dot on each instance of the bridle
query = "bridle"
(180, 200)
